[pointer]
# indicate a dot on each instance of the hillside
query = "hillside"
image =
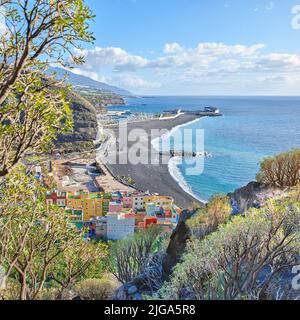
(240, 246)
(85, 121)
(82, 81)
(97, 97)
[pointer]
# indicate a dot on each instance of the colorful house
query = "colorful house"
(56, 198)
(118, 214)
(75, 215)
(127, 200)
(117, 196)
(149, 222)
(150, 209)
(160, 201)
(94, 204)
(115, 207)
(138, 202)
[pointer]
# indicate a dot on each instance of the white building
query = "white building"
(137, 202)
(120, 226)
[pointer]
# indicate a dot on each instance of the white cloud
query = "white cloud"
(134, 82)
(205, 64)
(110, 56)
(173, 48)
(174, 56)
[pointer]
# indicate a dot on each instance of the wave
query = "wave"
(156, 142)
(173, 165)
(176, 174)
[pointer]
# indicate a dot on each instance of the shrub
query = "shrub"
(131, 256)
(242, 259)
(209, 218)
(282, 170)
(96, 289)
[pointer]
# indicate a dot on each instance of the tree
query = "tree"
(282, 170)
(34, 110)
(131, 256)
(36, 239)
(39, 28)
(75, 263)
(31, 118)
(242, 259)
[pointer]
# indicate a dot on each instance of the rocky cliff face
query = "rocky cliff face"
(85, 121)
(253, 195)
(177, 243)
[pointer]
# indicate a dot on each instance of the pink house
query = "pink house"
(127, 201)
(115, 207)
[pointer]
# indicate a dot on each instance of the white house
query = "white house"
(137, 202)
(120, 226)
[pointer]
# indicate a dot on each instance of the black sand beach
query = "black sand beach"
(155, 178)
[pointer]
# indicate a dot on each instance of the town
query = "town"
(115, 216)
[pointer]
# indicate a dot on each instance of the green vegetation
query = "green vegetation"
(97, 289)
(39, 247)
(208, 219)
(243, 257)
(230, 263)
(282, 170)
(95, 96)
(130, 257)
(76, 146)
(33, 111)
(85, 126)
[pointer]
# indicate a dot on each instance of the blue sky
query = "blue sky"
(196, 47)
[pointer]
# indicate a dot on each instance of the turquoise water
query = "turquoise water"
(251, 129)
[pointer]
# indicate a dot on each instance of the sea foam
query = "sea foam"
(173, 165)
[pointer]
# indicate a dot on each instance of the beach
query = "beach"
(155, 178)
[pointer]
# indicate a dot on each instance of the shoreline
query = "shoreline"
(173, 162)
(157, 178)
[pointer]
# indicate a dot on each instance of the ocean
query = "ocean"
(250, 129)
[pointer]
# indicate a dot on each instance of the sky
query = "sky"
(196, 47)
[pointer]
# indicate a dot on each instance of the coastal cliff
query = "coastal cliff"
(254, 195)
(85, 121)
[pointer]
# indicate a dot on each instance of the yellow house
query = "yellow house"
(161, 201)
(93, 205)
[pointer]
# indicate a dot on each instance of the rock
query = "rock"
(85, 121)
(132, 290)
(120, 294)
(177, 243)
(137, 297)
(254, 195)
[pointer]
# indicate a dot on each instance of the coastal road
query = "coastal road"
(152, 177)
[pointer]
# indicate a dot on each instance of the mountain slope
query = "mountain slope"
(85, 121)
(78, 80)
